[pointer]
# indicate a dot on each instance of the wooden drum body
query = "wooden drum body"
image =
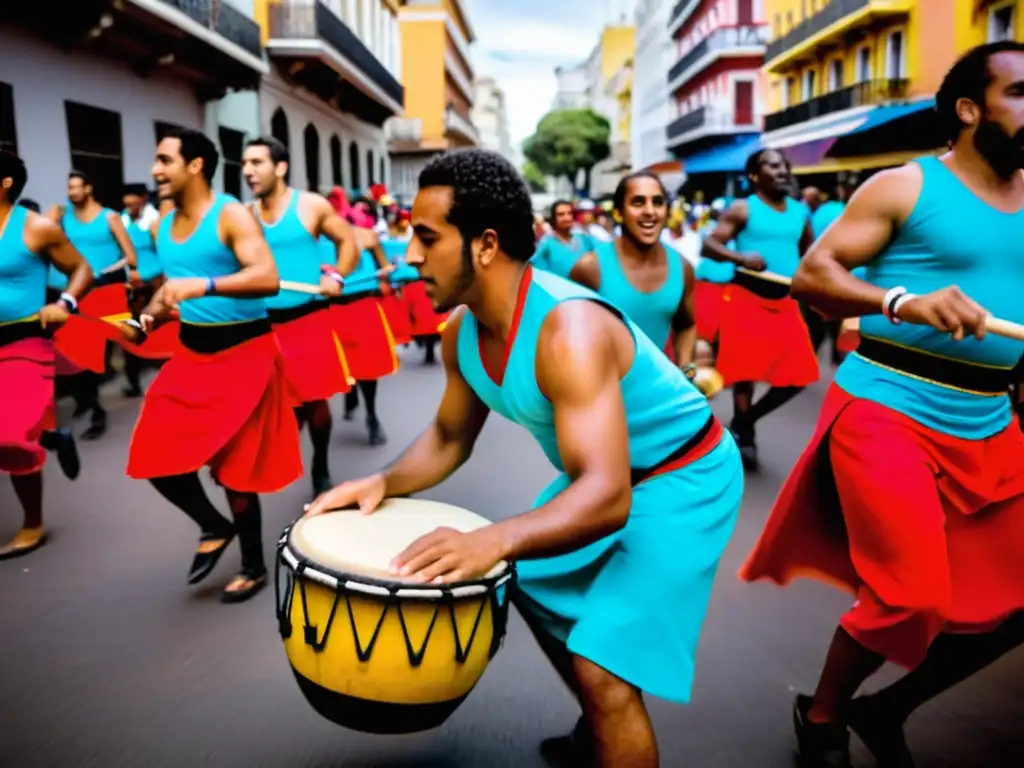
(369, 651)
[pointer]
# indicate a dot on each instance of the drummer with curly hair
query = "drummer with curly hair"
(648, 473)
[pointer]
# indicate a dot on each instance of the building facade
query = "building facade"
(333, 83)
(435, 39)
(650, 101)
(490, 118)
(851, 82)
(571, 91)
(95, 92)
(713, 82)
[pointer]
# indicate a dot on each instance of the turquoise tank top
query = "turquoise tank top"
(709, 270)
(22, 272)
(147, 264)
(652, 312)
(774, 235)
(296, 252)
(395, 252)
(557, 257)
(934, 249)
(92, 239)
(822, 218)
(202, 254)
(663, 409)
(361, 280)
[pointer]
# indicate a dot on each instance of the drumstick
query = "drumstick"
(290, 285)
(770, 276)
(1004, 328)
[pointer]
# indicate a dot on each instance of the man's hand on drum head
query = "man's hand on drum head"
(446, 555)
(366, 493)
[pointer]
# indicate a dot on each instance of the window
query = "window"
(8, 134)
(1000, 24)
(863, 65)
(336, 161)
(94, 136)
(809, 83)
(369, 168)
(311, 143)
(744, 103)
(788, 86)
(353, 166)
(279, 126)
(894, 65)
(835, 75)
(383, 174)
(777, 26)
(231, 146)
(745, 13)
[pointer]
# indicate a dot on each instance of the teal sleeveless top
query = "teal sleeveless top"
(395, 252)
(296, 253)
(950, 238)
(146, 262)
(22, 272)
(202, 254)
(774, 235)
(93, 239)
(663, 409)
(652, 312)
(557, 257)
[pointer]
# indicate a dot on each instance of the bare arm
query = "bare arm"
(446, 444)
(867, 225)
(371, 242)
(582, 354)
(587, 271)
(337, 230)
(807, 238)
(258, 276)
(45, 237)
(123, 241)
(684, 324)
(730, 224)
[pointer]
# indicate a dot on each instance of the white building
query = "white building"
(572, 90)
(491, 118)
(651, 100)
(334, 81)
(77, 94)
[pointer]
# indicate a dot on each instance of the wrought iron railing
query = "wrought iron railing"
(721, 39)
(812, 25)
(859, 95)
(224, 19)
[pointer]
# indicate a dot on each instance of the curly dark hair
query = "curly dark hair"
(487, 193)
(968, 78)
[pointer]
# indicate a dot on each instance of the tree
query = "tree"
(535, 179)
(568, 141)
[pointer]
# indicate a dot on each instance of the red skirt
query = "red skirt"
(924, 529)
(764, 340)
(366, 339)
(399, 318)
(26, 405)
(83, 339)
(707, 306)
(231, 411)
(425, 321)
(313, 358)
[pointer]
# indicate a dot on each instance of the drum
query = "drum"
(369, 651)
(709, 381)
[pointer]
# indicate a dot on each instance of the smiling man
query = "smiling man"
(651, 284)
(617, 558)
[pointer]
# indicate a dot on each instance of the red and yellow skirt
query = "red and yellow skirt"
(425, 321)
(362, 328)
(314, 360)
(83, 339)
(924, 529)
(26, 403)
(708, 299)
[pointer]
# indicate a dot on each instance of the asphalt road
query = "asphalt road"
(108, 659)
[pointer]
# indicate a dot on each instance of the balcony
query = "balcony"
(208, 43)
(706, 121)
(830, 23)
(319, 51)
(730, 41)
(458, 75)
(681, 11)
(866, 94)
(459, 127)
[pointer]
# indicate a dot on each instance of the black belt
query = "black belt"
(113, 277)
(942, 370)
(766, 289)
(637, 476)
(210, 339)
(21, 330)
(351, 298)
(278, 316)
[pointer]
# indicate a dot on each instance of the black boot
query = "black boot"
(62, 442)
(821, 745)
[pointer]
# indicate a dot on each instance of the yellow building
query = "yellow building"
(851, 82)
(438, 79)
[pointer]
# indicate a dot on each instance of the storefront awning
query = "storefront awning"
(730, 157)
(859, 162)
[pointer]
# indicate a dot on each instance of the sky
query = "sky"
(520, 43)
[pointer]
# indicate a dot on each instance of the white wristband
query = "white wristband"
(68, 299)
(891, 296)
(898, 304)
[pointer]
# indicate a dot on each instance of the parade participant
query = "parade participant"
(648, 471)
(138, 217)
(100, 236)
(28, 243)
(223, 401)
(712, 277)
(293, 222)
(402, 230)
(652, 284)
(559, 251)
(762, 334)
(911, 492)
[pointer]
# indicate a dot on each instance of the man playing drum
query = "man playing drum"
(617, 558)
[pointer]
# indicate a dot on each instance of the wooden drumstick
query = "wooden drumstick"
(1004, 328)
(290, 285)
(770, 276)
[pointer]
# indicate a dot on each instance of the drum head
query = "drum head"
(364, 545)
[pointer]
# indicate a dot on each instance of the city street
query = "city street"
(107, 658)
